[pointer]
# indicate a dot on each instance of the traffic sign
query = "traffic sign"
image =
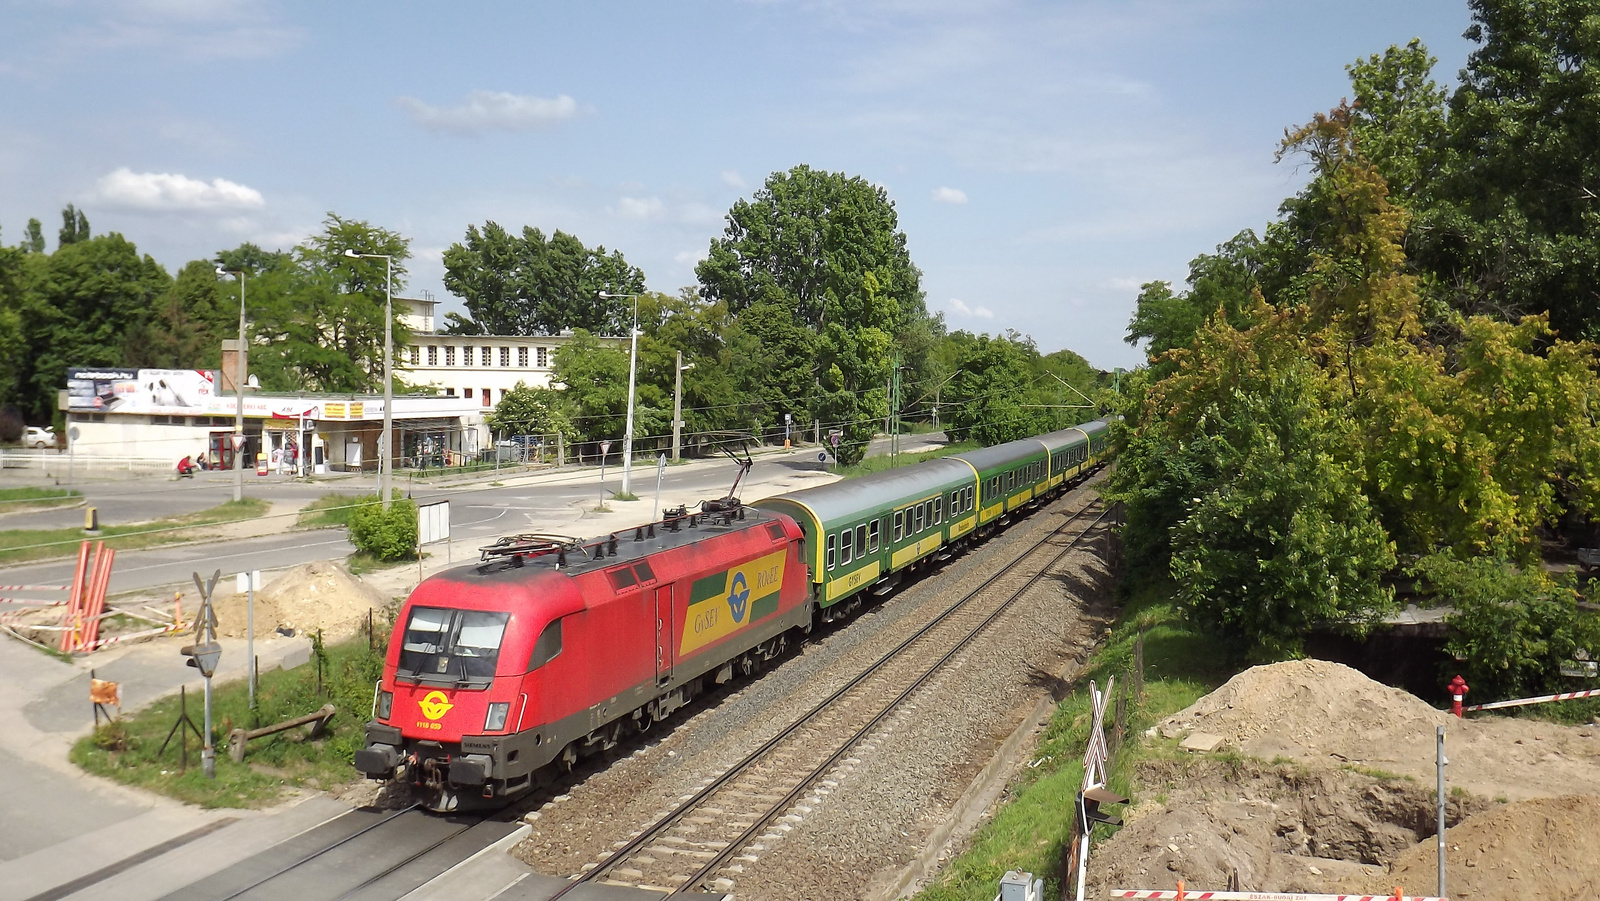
(605, 448)
(238, 441)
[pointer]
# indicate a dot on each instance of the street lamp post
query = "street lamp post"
(633, 360)
(238, 388)
(677, 406)
(385, 456)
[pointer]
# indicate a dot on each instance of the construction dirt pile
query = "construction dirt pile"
(1346, 803)
(1266, 827)
(1547, 848)
(306, 598)
(1320, 712)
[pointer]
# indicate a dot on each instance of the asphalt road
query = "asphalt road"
(479, 513)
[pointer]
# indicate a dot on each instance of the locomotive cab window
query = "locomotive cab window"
(644, 572)
(454, 647)
(623, 579)
(547, 648)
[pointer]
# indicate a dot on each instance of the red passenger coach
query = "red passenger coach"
(551, 648)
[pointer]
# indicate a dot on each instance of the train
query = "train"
(550, 648)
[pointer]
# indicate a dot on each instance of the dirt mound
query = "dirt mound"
(1265, 828)
(1547, 848)
(1321, 712)
(306, 598)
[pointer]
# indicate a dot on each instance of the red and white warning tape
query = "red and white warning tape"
(1259, 896)
(35, 588)
(1542, 699)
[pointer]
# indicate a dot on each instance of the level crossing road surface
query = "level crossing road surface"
(479, 513)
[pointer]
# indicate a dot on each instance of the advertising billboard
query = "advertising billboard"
(157, 391)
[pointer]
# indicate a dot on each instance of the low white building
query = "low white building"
(172, 414)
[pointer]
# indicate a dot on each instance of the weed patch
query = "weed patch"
(129, 750)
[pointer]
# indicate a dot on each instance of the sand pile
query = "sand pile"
(1273, 828)
(1321, 712)
(306, 598)
(1548, 848)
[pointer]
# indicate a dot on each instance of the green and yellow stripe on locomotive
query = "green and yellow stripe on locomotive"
(862, 534)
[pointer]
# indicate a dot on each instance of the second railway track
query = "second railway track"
(703, 841)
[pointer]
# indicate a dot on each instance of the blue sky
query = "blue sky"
(1045, 158)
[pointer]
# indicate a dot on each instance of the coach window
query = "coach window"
(938, 510)
(921, 518)
(845, 547)
(547, 648)
(872, 537)
(861, 540)
(899, 522)
(832, 549)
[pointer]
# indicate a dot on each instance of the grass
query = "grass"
(1032, 830)
(624, 496)
(19, 545)
(333, 510)
(360, 563)
(883, 462)
(16, 500)
(129, 750)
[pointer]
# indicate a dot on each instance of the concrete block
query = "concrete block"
(1202, 742)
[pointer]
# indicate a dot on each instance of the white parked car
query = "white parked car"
(39, 437)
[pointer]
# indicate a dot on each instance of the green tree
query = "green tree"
(84, 304)
(34, 242)
(1224, 280)
(1512, 628)
(825, 251)
(187, 326)
(988, 399)
(530, 285)
(74, 226)
(594, 396)
(321, 311)
(530, 411)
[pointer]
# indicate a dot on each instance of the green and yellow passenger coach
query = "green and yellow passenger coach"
(862, 535)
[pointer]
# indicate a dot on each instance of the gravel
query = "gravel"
(852, 834)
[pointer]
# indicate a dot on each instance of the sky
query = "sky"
(1045, 158)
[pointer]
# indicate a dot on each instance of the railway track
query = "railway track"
(703, 842)
(363, 855)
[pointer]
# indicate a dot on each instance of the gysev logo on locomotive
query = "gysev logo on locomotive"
(434, 706)
(722, 604)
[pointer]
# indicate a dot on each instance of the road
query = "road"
(479, 513)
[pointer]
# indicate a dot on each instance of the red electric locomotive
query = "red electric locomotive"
(551, 648)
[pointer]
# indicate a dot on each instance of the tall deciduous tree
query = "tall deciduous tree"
(74, 226)
(816, 263)
(528, 284)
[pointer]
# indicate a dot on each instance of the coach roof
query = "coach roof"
(853, 498)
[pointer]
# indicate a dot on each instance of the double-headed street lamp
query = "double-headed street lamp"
(238, 387)
(385, 457)
(633, 358)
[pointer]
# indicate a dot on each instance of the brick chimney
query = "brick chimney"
(230, 366)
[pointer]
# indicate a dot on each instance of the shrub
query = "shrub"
(385, 534)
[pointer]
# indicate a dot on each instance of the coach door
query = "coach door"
(664, 633)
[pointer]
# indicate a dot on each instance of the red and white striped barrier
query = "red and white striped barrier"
(35, 588)
(1181, 895)
(1542, 699)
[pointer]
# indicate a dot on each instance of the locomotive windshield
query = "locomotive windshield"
(454, 647)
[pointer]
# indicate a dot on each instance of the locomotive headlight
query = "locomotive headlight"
(385, 704)
(497, 716)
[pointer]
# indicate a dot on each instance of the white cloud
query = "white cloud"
(163, 191)
(492, 111)
(641, 208)
(733, 179)
(961, 309)
(949, 195)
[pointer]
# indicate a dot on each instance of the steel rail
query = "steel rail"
(370, 880)
(318, 853)
(694, 801)
(760, 823)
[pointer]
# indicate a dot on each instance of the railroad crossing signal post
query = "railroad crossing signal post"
(203, 655)
(605, 448)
